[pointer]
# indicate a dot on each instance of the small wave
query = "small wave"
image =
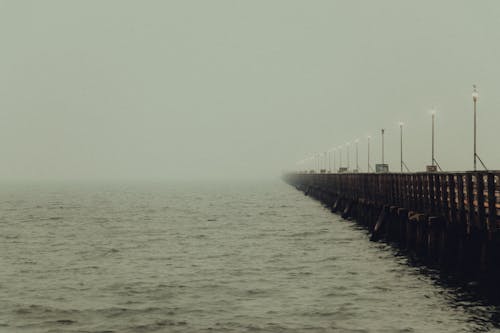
(158, 325)
(329, 259)
(120, 311)
(33, 309)
(7, 236)
(65, 321)
(306, 233)
(256, 292)
(42, 310)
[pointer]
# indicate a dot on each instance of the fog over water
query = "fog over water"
(239, 89)
(141, 145)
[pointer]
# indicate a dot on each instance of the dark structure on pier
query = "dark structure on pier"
(446, 220)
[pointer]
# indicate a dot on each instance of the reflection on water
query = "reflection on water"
(209, 257)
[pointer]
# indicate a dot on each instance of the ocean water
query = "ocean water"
(247, 257)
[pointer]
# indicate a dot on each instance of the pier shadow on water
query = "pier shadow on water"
(481, 301)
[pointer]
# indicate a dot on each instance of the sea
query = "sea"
(208, 257)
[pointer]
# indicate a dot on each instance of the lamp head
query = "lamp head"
(475, 93)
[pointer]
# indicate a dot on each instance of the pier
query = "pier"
(446, 220)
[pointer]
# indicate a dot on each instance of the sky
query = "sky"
(227, 89)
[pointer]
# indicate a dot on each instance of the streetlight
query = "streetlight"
(401, 143)
(475, 97)
(368, 168)
(340, 155)
(433, 114)
(329, 162)
(383, 130)
(325, 161)
(348, 148)
(357, 160)
(434, 163)
(403, 164)
(382, 167)
(334, 151)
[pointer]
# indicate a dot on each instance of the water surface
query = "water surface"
(165, 257)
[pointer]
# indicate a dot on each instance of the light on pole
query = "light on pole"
(403, 164)
(329, 161)
(382, 167)
(334, 152)
(434, 163)
(340, 157)
(475, 96)
(348, 147)
(433, 113)
(357, 156)
(383, 130)
(325, 160)
(368, 168)
(401, 143)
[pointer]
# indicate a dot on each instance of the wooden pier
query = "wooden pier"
(447, 220)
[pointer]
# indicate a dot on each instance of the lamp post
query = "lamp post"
(340, 155)
(347, 148)
(433, 114)
(434, 163)
(383, 130)
(401, 143)
(325, 160)
(368, 159)
(475, 96)
(357, 156)
(334, 151)
(329, 161)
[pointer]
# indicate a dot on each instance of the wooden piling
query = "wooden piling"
(447, 219)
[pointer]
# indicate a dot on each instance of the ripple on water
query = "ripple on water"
(208, 259)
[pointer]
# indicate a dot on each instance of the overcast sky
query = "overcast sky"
(122, 89)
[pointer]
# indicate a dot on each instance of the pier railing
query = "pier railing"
(465, 199)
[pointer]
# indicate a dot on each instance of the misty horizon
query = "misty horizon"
(240, 90)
